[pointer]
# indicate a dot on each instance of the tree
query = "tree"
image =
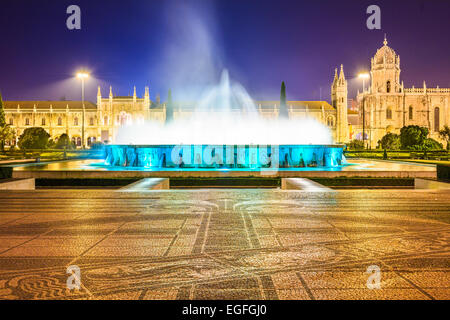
(390, 141)
(7, 133)
(33, 138)
(413, 137)
(283, 105)
(169, 108)
(64, 142)
(356, 145)
(2, 113)
(445, 135)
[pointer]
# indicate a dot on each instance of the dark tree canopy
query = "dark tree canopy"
(445, 134)
(2, 113)
(64, 142)
(413, 137)
(431, 144)
(391, 141)
(355, 145)
(33, 138)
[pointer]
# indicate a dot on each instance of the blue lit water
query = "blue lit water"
(223, 158)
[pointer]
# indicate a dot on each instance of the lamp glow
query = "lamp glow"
(363, 75)
(82, 75)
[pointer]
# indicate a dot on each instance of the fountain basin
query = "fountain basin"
(216, 157)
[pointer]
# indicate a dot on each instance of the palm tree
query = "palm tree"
(445, 134)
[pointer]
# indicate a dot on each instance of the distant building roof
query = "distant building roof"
(296, 104)
(56, 105)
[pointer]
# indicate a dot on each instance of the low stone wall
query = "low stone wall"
(80, 174)
(303, 184)
(17, 184)
(430, 184)
(147, 184)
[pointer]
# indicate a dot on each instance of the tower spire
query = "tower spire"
(385, 40)
(99, 93)
(110, 91)
(341, 74)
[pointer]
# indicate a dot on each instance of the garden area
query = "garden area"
(412, 144)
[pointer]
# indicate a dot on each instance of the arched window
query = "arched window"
(388, 86)
(105, 120)
(27, 121)
(43, 122)
(410, 113)
(389, 113)
(330, 121)
(11, 121)
(91, 140)
(78, 142)
(436, 119)
(75, 121)
(59, 121)
(91, 121)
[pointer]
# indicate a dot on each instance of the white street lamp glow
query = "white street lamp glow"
(82, 75)
(363, 75)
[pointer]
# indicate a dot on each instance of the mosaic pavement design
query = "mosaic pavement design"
(225, 244)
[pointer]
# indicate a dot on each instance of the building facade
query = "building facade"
(387, 106)
(101, 121)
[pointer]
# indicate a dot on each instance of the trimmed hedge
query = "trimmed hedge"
(365, 182)
(443, 172)
(6, 172)
(225, 182)
(84, 182)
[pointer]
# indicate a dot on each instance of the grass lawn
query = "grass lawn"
(447, 162)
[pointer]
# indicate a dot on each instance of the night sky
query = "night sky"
(184, 45)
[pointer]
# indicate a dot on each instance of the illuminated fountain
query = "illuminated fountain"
(225, 131)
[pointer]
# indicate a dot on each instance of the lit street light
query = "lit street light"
(82, 75)
(363, 76)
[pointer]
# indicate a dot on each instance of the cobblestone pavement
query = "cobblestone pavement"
(225, 244)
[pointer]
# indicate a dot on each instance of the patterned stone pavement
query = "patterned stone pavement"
(225, 244)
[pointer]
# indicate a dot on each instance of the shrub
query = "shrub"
(355, 145)
(64, 142)
(33, 138)
(431, 144)
(413, 137)
(390, 141)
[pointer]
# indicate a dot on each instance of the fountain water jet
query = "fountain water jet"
(225, 131)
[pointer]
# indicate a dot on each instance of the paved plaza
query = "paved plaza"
(225, 244)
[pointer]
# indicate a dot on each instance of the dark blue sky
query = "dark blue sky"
(178, 44)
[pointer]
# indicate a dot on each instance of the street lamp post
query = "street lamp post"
(364, 76)
(82, 75)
